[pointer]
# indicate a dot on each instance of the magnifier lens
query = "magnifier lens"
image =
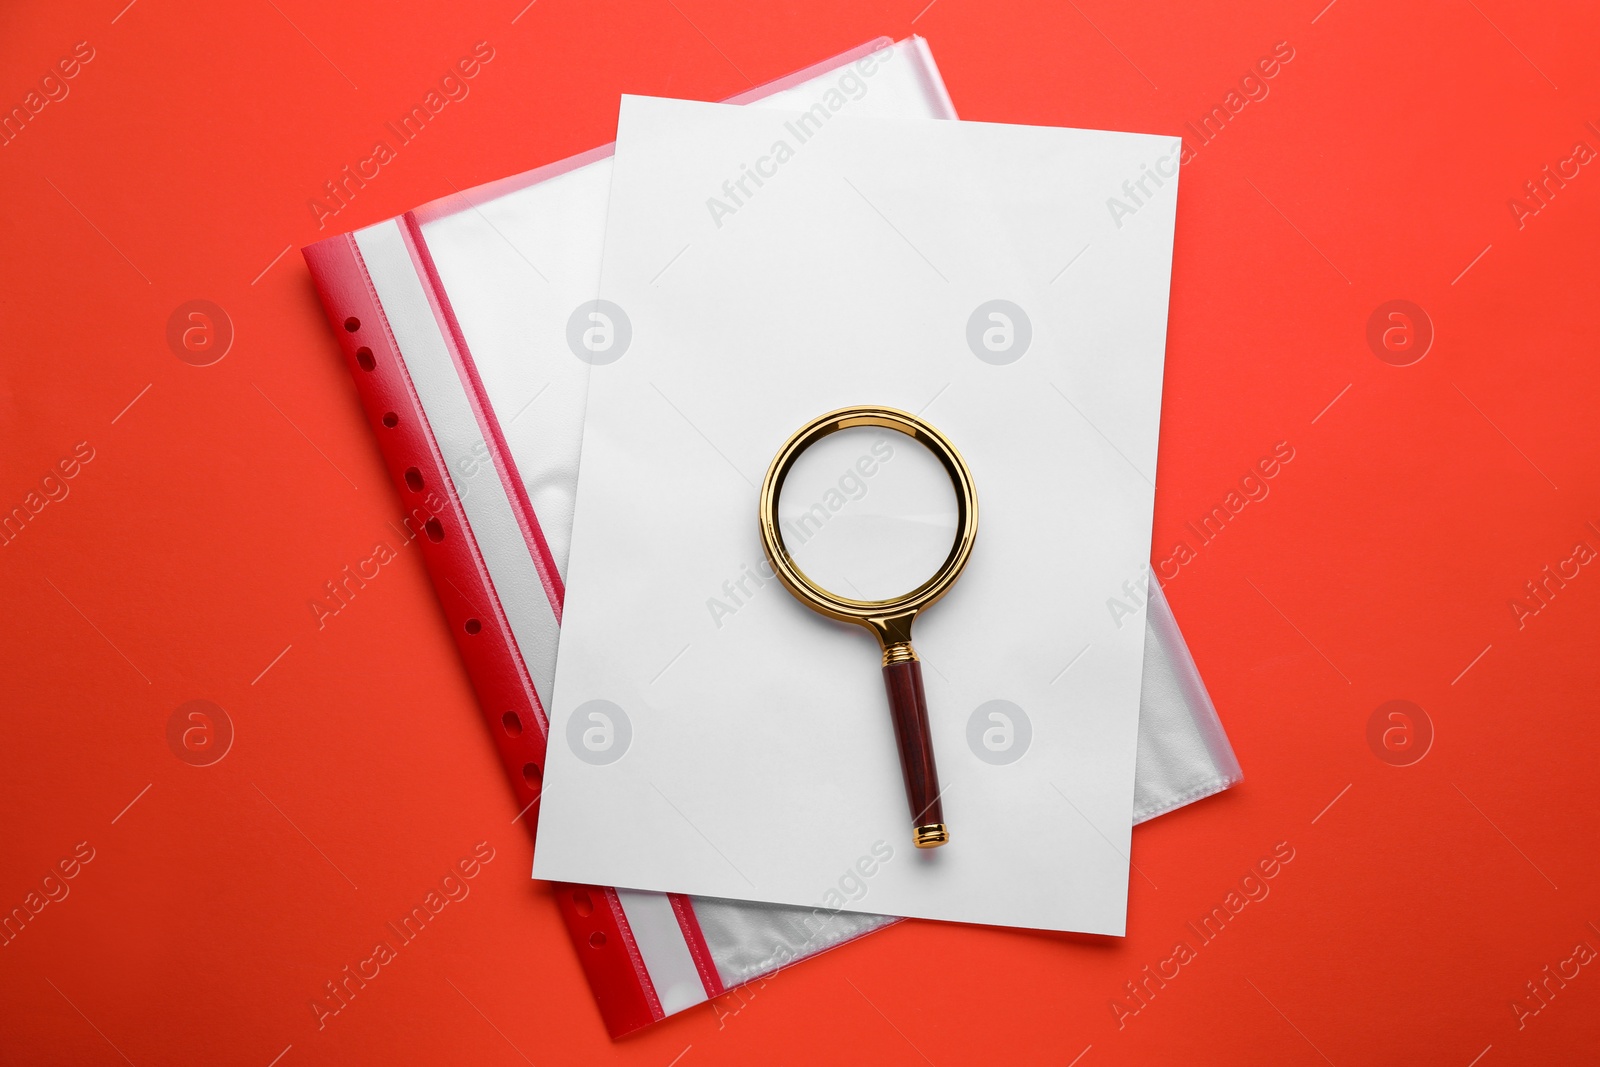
(868, 513)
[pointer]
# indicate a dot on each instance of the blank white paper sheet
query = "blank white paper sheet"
(713, 736)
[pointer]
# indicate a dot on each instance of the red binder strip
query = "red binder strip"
(510, 705)
(695, 938)
(504, 462)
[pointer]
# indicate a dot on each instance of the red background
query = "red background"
(1381, 566)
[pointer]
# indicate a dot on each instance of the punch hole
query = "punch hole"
(512, 724)
(414, 480)
(532, 775)
(390, 419)
(352, 324)
(597, 940)
(435, 530)
(473, 626)
(364, 357)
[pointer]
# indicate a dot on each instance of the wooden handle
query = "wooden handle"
(909, 707)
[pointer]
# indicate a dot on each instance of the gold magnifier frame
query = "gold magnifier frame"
(890, 620)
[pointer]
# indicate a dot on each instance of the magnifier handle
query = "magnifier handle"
(902, 676)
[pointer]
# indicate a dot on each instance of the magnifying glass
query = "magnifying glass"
(846, 506)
